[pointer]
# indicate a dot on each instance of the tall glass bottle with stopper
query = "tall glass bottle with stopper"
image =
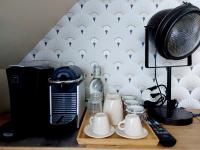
(96, 84)
(96, 91)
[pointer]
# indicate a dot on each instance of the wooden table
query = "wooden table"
(188, 137)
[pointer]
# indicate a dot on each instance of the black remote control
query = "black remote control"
(165, 138)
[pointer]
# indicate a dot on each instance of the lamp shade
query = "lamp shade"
(176, 32)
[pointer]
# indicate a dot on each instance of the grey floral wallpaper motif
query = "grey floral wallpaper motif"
(111, 33)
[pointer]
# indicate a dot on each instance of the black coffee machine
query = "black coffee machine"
(29, 101)
(44, 101)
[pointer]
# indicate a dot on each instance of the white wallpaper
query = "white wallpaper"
(111, 33)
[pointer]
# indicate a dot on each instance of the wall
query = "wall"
(111, 33)
(22, 24)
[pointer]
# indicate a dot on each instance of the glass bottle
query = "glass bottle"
(96, 84)
(94, 104)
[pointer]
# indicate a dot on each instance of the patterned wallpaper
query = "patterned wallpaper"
(111, 33)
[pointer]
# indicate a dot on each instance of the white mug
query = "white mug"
(114, 108)
(100, 124)
(132, 125)
(131, 102)
(135, 109)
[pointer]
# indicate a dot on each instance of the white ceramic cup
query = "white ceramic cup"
(131, 102)
(135, 109)
(113, 107)
(132, 125)
(100, 124)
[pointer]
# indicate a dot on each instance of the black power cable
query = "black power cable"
(162, 99)
(155, 71)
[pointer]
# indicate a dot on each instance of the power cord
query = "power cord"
(155, 71)
(162, 99)
(173, 103)
(155, 87)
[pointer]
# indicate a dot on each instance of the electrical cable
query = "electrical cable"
(155, 71)
(162, 99)
(155, 87)
(155, 75)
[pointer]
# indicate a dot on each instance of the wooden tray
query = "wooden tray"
(115, 140)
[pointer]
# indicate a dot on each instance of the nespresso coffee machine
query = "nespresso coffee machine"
(44, 101)
(66, 98)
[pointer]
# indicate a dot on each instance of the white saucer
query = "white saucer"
(88, 131)
(122, 134)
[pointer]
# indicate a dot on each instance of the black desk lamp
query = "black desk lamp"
(175, 34)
